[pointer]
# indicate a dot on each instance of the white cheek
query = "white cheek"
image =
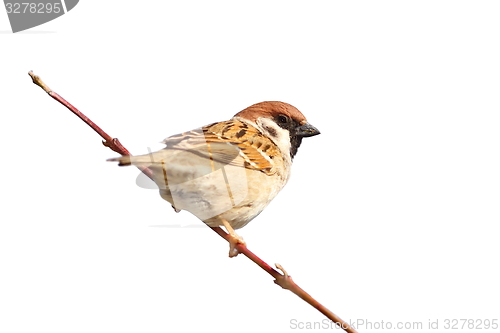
(280, 136)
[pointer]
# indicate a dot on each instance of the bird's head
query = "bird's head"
(283, 123)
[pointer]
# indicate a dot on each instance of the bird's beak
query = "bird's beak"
(306, 130)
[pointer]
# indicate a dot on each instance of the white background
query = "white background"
(391, 214)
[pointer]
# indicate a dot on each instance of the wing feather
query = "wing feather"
(229, 142)
(225, 141)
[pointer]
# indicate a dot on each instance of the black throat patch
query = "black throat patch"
(295, 142)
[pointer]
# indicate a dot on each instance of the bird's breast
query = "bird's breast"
(234, 193)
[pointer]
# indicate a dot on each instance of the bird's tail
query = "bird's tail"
(122, 161)
(139, 160)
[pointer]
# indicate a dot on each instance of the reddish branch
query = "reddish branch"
(284, 280)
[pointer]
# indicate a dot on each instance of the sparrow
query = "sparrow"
(227, 172)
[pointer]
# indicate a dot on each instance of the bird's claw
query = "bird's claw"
(234, 240)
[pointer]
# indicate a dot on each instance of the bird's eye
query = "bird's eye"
(282, 119)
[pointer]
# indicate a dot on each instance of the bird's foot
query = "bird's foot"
(235, 239)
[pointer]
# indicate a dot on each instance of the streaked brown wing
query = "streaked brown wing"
(225, 141)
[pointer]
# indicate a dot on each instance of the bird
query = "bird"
(227, 172)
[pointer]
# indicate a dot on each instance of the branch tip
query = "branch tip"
(38, 81)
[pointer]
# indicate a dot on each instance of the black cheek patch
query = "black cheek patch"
(271, 131)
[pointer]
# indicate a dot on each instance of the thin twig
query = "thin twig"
(112, 143)
(284, 280)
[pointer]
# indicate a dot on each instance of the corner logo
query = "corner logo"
(26, 14)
